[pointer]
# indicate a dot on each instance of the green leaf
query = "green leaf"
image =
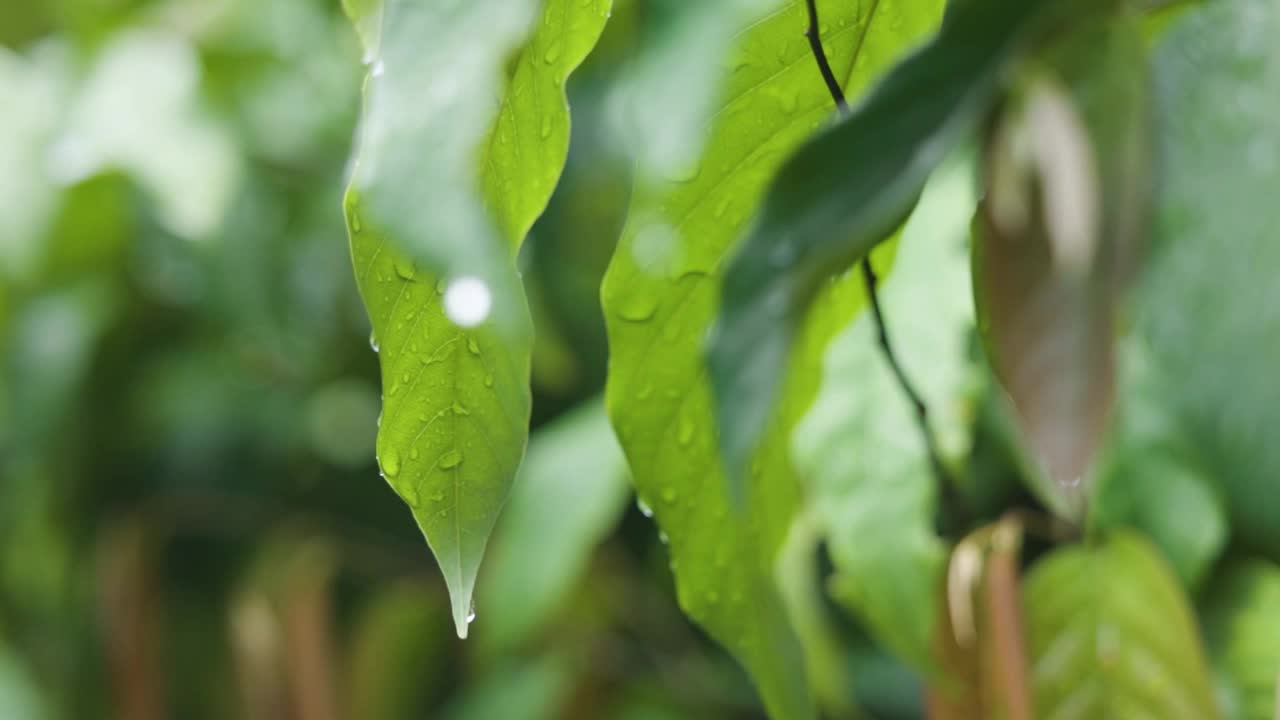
(1244, 638)
(846, 191)
(860, 445)
(1152, 478)
(660, 296)
(665, 120)
(366, 16)
(1069, 176)
(429, 261)
(1111, 636)
(1207, 308)
(569, 494)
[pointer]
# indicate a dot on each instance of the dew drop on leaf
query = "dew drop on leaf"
(451, 459)
(638, 308)
(552, 54)
(405, 269)
(390, 462)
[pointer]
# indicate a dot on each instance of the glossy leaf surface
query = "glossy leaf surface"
(860, 447)
(454, 351)
(843, 193)
(660, 296)
(1111, 634)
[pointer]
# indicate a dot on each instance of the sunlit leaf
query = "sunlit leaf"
(846, 191)
(1244, 638)
(449, 318)
(860, 446)
(1069, 176)
(568, 496)
(1209, 305)
(660, 296)
(1111, 635)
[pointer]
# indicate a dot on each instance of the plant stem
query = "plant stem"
(872, 281)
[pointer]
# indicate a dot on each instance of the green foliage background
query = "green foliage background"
(724, 507)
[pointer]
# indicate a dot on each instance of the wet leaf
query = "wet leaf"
(436, 273)
(846, 191)
(1111, 634)
(660, 296)
(860, 446)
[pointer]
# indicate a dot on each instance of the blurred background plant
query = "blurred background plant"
(191, 520)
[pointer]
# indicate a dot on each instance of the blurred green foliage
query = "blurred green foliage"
(188, 401)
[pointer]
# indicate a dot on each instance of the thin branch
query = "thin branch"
(824, 67)
(872, 282)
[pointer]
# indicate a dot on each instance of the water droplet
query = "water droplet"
(395, 388)
(639, 307)
(378, 69)
(552, 54)
(460, 409)
(471, 616)
(788, 103)
(414, 454)
(373, 342)
(669, 495)
(546, 127)
(488, 380)
(472, 346)
(467, 301)
(356, 224)
(644, 508)
(405, 269)
(662, 537)
(390, 462)
(451, 459)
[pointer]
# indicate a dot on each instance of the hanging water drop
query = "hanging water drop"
(644, 508)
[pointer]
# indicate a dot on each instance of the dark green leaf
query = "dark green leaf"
(860, 445)
(455, 378)
(1111, 635)
(660, 296)
(1209, 303)
(846, 191)
(1243, 635)
(1069, 172)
